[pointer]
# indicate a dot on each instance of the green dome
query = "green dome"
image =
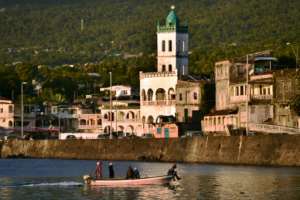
(172, 19)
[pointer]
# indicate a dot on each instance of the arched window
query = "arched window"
(150, 95)
(170, 68)
(195, 96)
(160, 94)
(99, 122)
(106, 116)
(150, 120)
(163, 45)
(10, 124)
(107, 129)
(130, 129)
(171, 94)
(163, 69)
(130, 115)
(121, 116)
(143, 95)
(180, 96)
(170, 45)
(92, 122)
(82, 122)
(10, 109)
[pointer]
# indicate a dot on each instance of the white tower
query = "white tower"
(172, 45)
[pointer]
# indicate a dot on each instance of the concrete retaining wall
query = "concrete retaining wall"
(258, 150)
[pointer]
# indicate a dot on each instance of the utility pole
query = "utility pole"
(22, 109)
(247, 94)
(116, 114)
(110, 105)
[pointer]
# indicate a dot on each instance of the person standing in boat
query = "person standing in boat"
(111, 170)
(98, 171)
(173, 172)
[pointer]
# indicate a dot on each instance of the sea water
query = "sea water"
(22, 179)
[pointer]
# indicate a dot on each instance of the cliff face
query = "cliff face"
(258, 150)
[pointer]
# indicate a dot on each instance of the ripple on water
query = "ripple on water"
(61, 179)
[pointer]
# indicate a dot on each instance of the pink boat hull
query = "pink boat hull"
(159, 180)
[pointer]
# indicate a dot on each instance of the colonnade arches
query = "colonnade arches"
(92, 122)
(160, 94)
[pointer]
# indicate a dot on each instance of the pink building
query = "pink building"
(6, 113)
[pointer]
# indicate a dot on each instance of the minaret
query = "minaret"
(172, 45)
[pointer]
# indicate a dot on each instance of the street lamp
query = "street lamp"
(295, 52)
(22, 109)
(110, 105)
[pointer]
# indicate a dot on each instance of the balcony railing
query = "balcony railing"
(157, 74)
(261, 97)
(238, 99)
(159, 103)
(261, 77)
(89, 127)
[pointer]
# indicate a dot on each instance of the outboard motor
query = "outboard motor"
(87, 179)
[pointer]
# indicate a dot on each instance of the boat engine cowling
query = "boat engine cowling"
(87, 178)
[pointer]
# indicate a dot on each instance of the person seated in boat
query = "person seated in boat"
(111, 170)
(129, 174)
(173, 172)
(136, 173)
(98, 171)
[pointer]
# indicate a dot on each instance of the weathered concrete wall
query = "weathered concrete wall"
(258, 150)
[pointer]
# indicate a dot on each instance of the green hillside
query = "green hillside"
(55, 32)
(129, 26)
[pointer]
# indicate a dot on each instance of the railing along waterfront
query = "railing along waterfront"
(267, 128)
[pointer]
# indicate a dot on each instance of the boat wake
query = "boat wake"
(47, 184)
(61, 184)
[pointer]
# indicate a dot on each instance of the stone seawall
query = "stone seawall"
(259, 150)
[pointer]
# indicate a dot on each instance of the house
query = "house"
(119, 90)
(6, 114)
(123, 117)
(252, 96)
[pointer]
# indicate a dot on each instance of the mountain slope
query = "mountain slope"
(113, 26)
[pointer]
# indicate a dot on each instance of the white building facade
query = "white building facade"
(158, 89)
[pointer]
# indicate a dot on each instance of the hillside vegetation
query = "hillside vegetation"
(55, 32)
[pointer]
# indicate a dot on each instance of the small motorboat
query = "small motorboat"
(158, 180)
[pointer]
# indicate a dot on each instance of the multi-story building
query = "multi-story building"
(124, 118)
(158, 89)
(77, 118)
(119, 90)
(258, 109)
(193, 98)
(6, 114)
